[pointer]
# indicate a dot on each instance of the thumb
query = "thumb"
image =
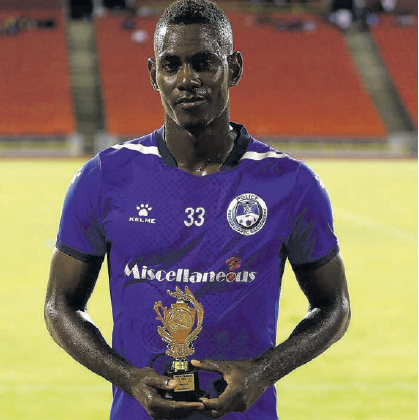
(208, 364)
(161, 382)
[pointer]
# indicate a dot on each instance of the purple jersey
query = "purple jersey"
(225, 235)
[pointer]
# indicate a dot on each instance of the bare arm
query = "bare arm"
(70, 286)
(325, 323)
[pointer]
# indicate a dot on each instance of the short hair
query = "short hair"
(186, 12)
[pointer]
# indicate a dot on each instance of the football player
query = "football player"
(199, 203)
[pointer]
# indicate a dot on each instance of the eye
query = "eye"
(170, 66)
(203, 64)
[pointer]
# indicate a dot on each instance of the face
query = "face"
(193, 75)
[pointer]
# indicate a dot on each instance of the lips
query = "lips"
(190, 101)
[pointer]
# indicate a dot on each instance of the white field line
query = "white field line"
(59, 388)
(367, 386)
(362, 221)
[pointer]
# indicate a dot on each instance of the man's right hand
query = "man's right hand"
(145, 389)
(70, 285)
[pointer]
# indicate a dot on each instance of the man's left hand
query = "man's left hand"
(244, 385)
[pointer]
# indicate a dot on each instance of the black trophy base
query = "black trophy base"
(188, 383)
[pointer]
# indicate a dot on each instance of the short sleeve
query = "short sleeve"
(312, 242)
(80, 233)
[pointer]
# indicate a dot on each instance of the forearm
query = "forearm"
(78, 336)
(313, 335)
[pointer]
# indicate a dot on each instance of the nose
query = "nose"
(188, 77)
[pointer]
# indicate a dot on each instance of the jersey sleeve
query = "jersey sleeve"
(312, 242)
(80, 233)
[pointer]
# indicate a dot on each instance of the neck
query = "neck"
(201, 150)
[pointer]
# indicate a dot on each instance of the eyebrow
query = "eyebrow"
(168, 56)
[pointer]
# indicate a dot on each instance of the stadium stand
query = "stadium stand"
(131, 107)
(30, 4)
(398, 47)
(301, 83)
(296, 83)
(400, 6)
(34, 78)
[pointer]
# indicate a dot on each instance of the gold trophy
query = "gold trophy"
(178, 322)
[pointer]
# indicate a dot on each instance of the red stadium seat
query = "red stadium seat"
(31, 4)
(131, 106)
(398, 47)
(300, 83)
(294, 83)
(34, 79)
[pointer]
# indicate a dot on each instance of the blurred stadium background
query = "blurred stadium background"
(335, 79)
(332, 77)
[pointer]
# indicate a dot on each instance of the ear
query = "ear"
(235, 64)
(151, 64)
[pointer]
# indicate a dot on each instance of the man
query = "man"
(196, 203)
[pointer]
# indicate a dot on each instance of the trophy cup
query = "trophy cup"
(178, 322)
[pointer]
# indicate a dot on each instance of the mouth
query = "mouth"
(190, 102)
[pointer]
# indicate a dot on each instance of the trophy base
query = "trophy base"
(188, 382)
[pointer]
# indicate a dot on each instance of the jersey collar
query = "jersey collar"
(240, 146)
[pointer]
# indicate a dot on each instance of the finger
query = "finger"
(213, 408)
(211, 403)
(178, 405)
(208, 364)
(216, 414)
(213, 414)
(183, 405)
(225, 403)
(158, 381)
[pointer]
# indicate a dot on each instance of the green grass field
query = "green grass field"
(370, 374)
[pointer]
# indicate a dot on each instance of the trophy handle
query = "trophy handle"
(200, 315)
(166, 337)
(158, 305)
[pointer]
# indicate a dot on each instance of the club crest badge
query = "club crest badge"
(247, 214)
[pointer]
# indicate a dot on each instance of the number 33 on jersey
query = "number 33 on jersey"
(195, 216)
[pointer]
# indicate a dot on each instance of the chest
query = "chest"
(169, 215)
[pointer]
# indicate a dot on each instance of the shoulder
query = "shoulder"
(265, 156)
(268, 160)
(308, 179)
(120, 155)
(145, 145)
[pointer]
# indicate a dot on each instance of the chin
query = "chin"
(194, 124)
